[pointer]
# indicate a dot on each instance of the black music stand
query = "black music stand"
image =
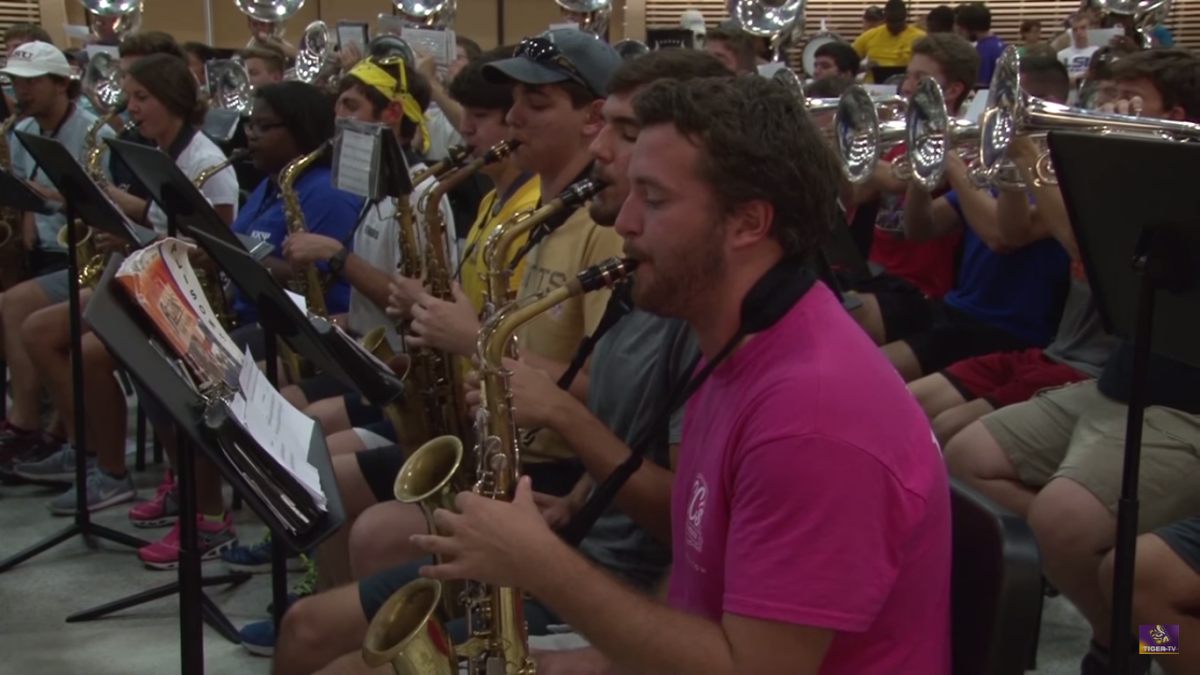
(315, 339)
(123, 328)
(1141, 259)
(82, 198)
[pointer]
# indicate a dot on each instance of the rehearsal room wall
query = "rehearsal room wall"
(187, 19)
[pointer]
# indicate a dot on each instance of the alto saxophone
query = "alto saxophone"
(14, 263)
(307, 281)
(211, 283)
(500, 244)
(91, 261)
(434, 406)
(405, 632)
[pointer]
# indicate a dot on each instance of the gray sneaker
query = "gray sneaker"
(57, 468)
(103, 491)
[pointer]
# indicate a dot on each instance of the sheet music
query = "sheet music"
(355, 163)
(351, 32)
(298, 300)
(161, 280)
(433, 42)
(389, 25)
(279, 428)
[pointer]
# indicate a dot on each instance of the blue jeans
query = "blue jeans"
(375, 590)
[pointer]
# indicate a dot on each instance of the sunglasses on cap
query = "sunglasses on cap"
(542, 50)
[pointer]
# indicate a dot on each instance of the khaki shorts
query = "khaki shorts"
(1078, 433)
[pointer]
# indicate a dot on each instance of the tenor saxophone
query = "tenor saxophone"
(433, 406)
(14, 263)
(500, 244)
(211, 283)
(307, 281)
(405, 632)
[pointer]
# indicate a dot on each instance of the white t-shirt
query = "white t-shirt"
(220, 190)
(1077, 60)
(72, 134)
(377, 241)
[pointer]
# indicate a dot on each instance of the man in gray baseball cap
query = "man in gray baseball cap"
(560, 55)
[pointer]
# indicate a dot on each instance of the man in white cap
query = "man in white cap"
(45, 94)
(693, 20)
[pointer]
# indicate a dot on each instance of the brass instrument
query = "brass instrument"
(1012, 112)
(455, 157)
(113, 18)
(91, 260)
(500, 244)
(213, 290)
(427, 14)
(591, 15)
(933, 134)
(14, 262)
(434, 406)
(775, 20)
(405, 633)
(863, 129)
(306, 281)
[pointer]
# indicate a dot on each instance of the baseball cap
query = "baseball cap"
(556, 56)
(35, 59)
(693, 20)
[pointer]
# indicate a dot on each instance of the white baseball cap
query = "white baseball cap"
(693, 20)
(35, 59)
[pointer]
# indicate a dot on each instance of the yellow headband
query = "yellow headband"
(370, 74)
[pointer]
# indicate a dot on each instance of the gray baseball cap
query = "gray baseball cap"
(557, 56)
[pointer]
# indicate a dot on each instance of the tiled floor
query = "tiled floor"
(37, 596)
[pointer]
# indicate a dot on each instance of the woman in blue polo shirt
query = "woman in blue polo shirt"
(290, 120)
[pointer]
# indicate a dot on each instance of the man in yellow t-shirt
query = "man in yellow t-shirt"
(889, 45)
(453, 326)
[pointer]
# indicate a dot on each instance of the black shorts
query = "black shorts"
(250, 336)
(321, 387)
(902, 308)
(43, 262)
(954, 335)
(1183, 536)
(363, 415)
(380, 466)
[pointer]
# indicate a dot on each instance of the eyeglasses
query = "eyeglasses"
(261, 128)
(542, 50)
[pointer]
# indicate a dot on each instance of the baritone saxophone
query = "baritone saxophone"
(406, 633)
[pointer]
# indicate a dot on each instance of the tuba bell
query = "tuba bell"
(113, 19)
(274, 12)
(591, 15)
(315, 62)
(1012, 112)
(863, 129)
(229, 86)
(776, 20)
(432, 15)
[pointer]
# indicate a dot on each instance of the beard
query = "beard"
(602, 212)
(680, 277)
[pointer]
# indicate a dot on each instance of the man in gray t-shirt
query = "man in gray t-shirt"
(633, 371)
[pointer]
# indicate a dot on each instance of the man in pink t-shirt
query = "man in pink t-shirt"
(809, 537)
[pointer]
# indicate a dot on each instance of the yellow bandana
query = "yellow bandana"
(373, 76)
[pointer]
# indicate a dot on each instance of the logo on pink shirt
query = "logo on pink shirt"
(695, 513)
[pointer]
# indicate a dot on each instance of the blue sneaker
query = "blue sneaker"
(256, 558)
(259, 638)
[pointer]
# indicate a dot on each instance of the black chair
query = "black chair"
(996, 590)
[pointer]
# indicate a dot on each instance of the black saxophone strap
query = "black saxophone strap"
(768, 301)
(540, 233)
(620, 304)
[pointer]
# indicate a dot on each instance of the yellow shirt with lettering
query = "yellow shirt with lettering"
(884, 49)
(474, 267)
(580, 243)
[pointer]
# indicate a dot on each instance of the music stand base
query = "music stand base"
(86, 528)
(213, 615)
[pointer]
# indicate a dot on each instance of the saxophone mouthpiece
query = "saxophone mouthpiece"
(606, 274)
(500, 151)
(578, 193)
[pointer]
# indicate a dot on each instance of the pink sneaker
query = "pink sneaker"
(161, 511)
(214, 539)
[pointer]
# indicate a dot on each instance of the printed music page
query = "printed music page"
(278, 427)
(161, 280)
